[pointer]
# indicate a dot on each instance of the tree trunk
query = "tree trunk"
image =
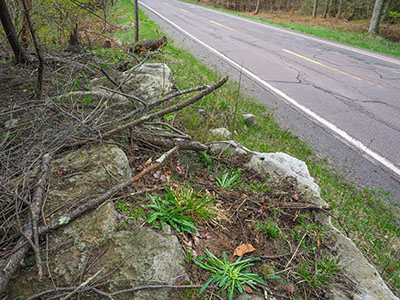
(136, 21)
(25, 28)
(376, 17)
(257, 7)
(340, 8)
(325, 9)
(315, 8)
(9, 30)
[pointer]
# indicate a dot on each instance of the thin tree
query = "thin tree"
(257, 7)
(136, 21)
(9, 30)
(340, 8)
(376, 17)
(39, 89)
(315, 8)
(326, 8)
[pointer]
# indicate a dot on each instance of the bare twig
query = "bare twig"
(125, 95)
(176, 94)
(30, 229)
(295, 251)
(162, 112)
(91, 204)
(83, 284)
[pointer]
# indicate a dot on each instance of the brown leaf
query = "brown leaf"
(290, 289)
(167, 170)
(295, 197)
(248, 289)
(242, 249)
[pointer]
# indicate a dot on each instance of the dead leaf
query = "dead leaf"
(248, 289)
(167, 170)
(244, 196)
(295, 197)
(242, 249)
(290, 289)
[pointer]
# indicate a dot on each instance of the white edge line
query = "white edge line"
(307, 36)
(344, 135)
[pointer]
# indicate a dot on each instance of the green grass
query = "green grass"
(231, 277)
(361, 40)
(373, 223)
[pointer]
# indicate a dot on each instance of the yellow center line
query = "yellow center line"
(321, 64)
(222, 25)
(168, 4)
(186, 11)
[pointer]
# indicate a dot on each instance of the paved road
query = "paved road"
(350, 94)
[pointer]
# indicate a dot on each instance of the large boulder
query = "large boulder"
(280, 166)
(149, 82)
(141, 255)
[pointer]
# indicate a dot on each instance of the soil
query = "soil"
(240, 211)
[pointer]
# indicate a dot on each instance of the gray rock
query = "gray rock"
(154, 258)
(221, 132)
(143, 255)
(281, 165)
(148, 82)
(250, 119)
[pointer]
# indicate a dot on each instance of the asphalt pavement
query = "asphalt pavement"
(343, 101)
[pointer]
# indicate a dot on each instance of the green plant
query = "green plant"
(229, 276)
(206, 160)
(270, 228)
(167, 212)
(227, 182)
(318, 273)
(193, 203)
(122, 207)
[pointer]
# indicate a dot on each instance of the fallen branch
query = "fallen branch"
(54, 224)
(145, 287)
(294, 205)
(30, 231)
(162, 112)
(183, 144)
(82, 285)
(109, 295)
(176, 94)
(125, 95)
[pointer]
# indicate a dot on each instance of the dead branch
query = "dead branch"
(110, 295)
(125, 95)
(89, 205)
(184, 145)
(162, 112)
(176, 94)
(83, 284)
(30, 228)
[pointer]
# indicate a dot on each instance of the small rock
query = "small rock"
(222, 132)
(250, 119)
